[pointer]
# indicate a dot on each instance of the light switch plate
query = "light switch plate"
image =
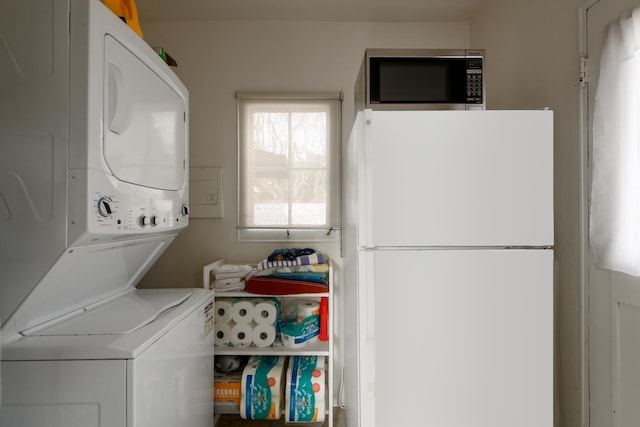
(205, 192)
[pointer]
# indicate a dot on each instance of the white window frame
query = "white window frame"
(329, 232)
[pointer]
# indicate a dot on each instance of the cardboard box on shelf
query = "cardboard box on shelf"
(227, 392)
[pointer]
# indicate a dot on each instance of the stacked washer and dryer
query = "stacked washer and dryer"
(93, 188)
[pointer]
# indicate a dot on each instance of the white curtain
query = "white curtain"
(615, 187)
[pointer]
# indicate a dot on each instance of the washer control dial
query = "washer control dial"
(105, 207)
(143, 220)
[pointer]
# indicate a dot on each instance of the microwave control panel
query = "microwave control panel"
(474, 81)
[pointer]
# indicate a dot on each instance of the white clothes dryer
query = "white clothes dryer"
(93, 188)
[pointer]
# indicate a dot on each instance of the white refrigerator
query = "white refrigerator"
(448, 247)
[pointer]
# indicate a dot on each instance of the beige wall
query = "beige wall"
(532, 57)
(216, 59)
(532, 63)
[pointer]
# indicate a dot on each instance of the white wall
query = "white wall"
(216, 59)
(532, 62)
(532, 57)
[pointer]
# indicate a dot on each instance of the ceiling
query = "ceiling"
(307, 10)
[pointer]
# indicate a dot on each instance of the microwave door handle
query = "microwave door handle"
(118, 110)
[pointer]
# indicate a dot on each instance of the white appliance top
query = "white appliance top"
(122, 328)
(121, 316)
(81, 278)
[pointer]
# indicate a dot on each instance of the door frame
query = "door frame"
(583, 12)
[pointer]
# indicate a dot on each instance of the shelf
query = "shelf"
(316, 348)
(245, 294)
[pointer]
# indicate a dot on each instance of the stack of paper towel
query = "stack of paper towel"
(245, 321)
(305, 390)
(301, 323)
(263, 388)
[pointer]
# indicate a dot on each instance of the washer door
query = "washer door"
(121, 316)
(144, 122)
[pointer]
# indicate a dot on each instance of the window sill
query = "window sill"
(331, 235)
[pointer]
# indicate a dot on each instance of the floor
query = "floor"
(339, 420)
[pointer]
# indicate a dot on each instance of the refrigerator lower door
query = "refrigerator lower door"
(459, 338)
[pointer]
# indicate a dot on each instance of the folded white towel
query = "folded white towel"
(229, 281)
(222, 286)
(227, 271)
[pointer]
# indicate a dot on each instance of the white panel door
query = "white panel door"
(459, 178)
(461, 337)
(614, 298)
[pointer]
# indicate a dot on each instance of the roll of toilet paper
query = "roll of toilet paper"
(308, 308)
(268, 371)
(265, 312)
(263, 388)
(223, 310)
(222, 334)
(243, 311)
(292, 341)
(310, 362)
(242, 334)
(301, 411)
(311, 381)
(299, 332)
(304, 392)
(260, 409)
(264, 335)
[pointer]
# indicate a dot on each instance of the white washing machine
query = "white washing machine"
(93, 188)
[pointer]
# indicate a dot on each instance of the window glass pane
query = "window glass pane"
(309, 197)
(309, 139)
(271, 132)
(289, 163)
(271, 214)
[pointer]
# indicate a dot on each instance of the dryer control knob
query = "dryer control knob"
(154, 220)
(143, 220)
(104, 206)
(185, 210)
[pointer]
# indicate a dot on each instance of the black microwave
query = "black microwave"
(423, 79)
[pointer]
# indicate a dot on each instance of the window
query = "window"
(615, 179)
(289, 166)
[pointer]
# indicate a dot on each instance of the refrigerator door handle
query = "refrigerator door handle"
(369, 297)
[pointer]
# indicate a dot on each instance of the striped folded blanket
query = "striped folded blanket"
(314, 258)
(311, 268)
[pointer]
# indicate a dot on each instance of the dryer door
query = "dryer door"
(144, 122)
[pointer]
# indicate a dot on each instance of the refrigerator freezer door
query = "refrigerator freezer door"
(458, 178)
(461, 338)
